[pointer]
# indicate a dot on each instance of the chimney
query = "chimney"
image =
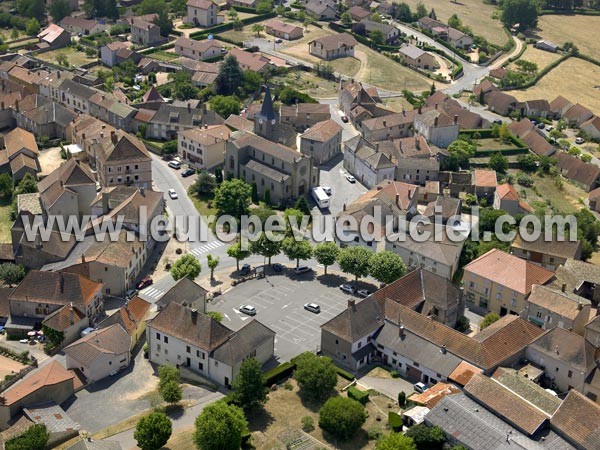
(62, 283)
(403, 112)
(194, 313)
(83, 136)
(102, 135)
(113, 137)
(189, 106)
(83, 258)
(103, 126)
(352, 304)
(444, 349)
(17, 105)
(556, 350)
(376, 146)
(436, 105)
(579, 306)
(206, 126)
(344, 207)
(564, 287)
(385, 123)
(455, 119)
(401, 331)
(398, 200)
(58, 74)
(435, 122)
(143, 191)
(420, 110)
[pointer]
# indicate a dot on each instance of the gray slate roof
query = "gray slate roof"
(243, 342)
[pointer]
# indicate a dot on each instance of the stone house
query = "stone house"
(203, 13)
(203, 148)
(322, 141)
(333, 46)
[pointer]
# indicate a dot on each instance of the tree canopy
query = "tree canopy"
(153, 431)
(386, 267)
(233, 198)
(266, 247)
(235, 251)
(230, 76)
(427, 438)
(225, 105)
(248, 388)
(355, 261)
(522, 12)
(12, 274)
(316, 375)
(59, 9)
(395, 441)
(342, 417)
(34, 438)
(326, 253)
(296, 250)
(187, 266)
(220, 427)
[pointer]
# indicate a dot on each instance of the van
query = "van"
(175, 165)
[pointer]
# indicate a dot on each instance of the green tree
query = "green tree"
(6, 187)
(386, 267)
(28, 185)
(459, 154)
(248, 388)
(315, 375)
(164, 22)
(212, 262)
(355, 261)
(59, 9)
(523, 12)
(264, 6)
(403, 13)
(326, 253)
(12, 274)
(225, 105)
(427, 438)
(34, 438)
(302, 205)
(401, 399)
(233, 197)
(204, 184)
(32, 8)
(258, 28)
(235, 251)
(498, 162)
(346, 19)
(171, 392)
(187, 266)
(395, 441)
(267, 197)
(421, 10)
(528, 162)
(153, 431)
(342, 417)
(166, 374)
(54, 337)
(296, 250)
(230, 76)
(527, 68)
(586, 157)
(183, 88)
(251, 81)
(33, 27)
(254, 194)
(266, 247)
(215, 315)
(454, 21)
(488, 319)
(377, 37)
(232, 13)
(220, 427)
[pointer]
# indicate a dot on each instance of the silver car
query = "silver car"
(312, 307)
(247, 309)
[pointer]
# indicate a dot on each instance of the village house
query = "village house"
(390, 33)
(190, 339)
(144, 31)
(322, 141)
(108, 53)
(69, 320)
(186, 293)
(529, 133)
(501, 103)
(484, 184)
(203, 148)
(283, 30)
(414, 56)
(321, 9)
(437, 127)
(20, 155)
(256, 62)
(304, 115)
(577, 114)
(198, 50)
(594, 200)
(243, 3)
(170, 119)
(358, 13)
(507, 199)
(82, 26)
(591, 127)
(53, 37)
(500, 282)
(548, 253)
(548, 308)
(536, 109)
(584, 174)
(203, 13)
(100, 353)
(391, 126)
(459, 39)
(559, 106)
(333, 46)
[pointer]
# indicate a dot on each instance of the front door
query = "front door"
(503, 311)
(188, 362)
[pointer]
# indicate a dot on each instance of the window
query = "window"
(158, 336)
(359, 344)
(483, 302)
(570, 373)
(166, 339)
(336, 342)
(416, 364)
(188, 349)
(200, 366)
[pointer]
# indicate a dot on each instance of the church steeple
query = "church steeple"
(265, 120)
(267, 107)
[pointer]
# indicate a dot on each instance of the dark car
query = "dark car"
(541, 126)
(145, 282)
(245, 270)
(188, 172)
(345, 119)
(277, 267)
(498, 121)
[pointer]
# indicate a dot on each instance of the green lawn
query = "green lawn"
(201, 202)
(494, 144)
(74, 56)
(163, 56)
(5, 223)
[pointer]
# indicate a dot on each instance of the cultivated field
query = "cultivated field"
(473, 13)
(540, 57)
(576, 29)
(575, 79)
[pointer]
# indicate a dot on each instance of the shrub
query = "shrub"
(344, 374)
(342, 417)
(279, 373)
(402, 399)
(361, 397)
(395, 421)
(308, 424)
(525, 180)
(374, 434)
(427, 438)
(395, 374)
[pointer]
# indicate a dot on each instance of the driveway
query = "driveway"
(390, 387)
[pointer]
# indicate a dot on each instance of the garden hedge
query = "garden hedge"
(361, 397)
(279, 373)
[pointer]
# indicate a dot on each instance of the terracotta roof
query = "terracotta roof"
(578, 113)
(192, 327)
(253, 61)
(561, 249)
(507, 192)
(4, 305)
(127, 148)
(111, 340)
(51, 33)
(208, 135)
(498, 100)
(390, 120)
(503, 402)
(69, 174)
(484, 87)
(322, 131)
(578, 170)
(200, 4)
(129, 315)
(434, 394)
(559, 103)
(18, 139)
(280, 26)
(64, 317)
(593, 122)
(79, 22)
(48, 375)
(508, 270)
(56, 288)
(335, 41)
(152, 95)
(485, 178)
(578, 420)
(464, 372)
(117, 253)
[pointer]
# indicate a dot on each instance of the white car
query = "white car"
(301, 270)
(579, 140)
(312, 307)
(348, 288)
(420, 387)
(350, 178)
(247, 309)
(173, 194)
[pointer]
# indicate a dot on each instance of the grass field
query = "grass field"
(472, 13)
(75, 57)
(576, 29)
(540, 57)
(309, 83)
(575, 79)
(241, 35)
(493, 144)
(398, 104)
(563, 200)
(5, 223)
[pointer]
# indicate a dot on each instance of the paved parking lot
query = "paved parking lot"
(279, 301)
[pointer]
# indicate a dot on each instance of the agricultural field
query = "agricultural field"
(576, 29)
(575, 79)
(473, 13)
(537, 56)
(74, 57)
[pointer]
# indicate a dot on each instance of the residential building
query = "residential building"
(427, 23)
(144, 31)
(359, 103)
(322, 141)
(358, 13)
(203, 148)
(243, 3)
(203, 13)
(548, 307)
(59, 426)
(101, 353)
(546, 45)
(41, 293)
(577, 114)
(559, 106)
(507, 199)
(416, 57)
(89, 444)
(530, 134)
(581, 278)
(501, 103)
(169, 120)
(500, 282)
(250, 61)
(321, 9)
(186, 293)
(584, 174)
(390, 32)
(185, 337)
(437, 127)
(536, 109)
(131, 317)
(69, 320)
(391, 126)
(82, 26)
(485, 183)
(108, 53)
(592, 127)
(333, 46)
(366, 163)
(53, 37)
(49, 383)
(459, 39)
(594, 200)
(283, 30)
(75, 95)
(304, 115)
(576, 420)
(198, 50)
(20, 155)
(546, 253)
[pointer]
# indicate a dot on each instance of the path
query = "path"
(500, 61)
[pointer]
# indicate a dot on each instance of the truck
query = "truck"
(321, 198)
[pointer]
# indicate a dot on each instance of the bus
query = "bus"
(321, 198)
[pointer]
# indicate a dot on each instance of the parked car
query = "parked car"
(175, 165)
(312, 307)
(145, 282)
(245, 270)
(173, 194)
(541, 125)
(579, 140)
(498, 121)
(347, 288)
(302, 269)
(278, 40)
(345, 119)
(248, 309)
(420, 387)
(327, 189)
(549, 128)
(363, 293)
(277, 267)
(188, 172)
(350, 178)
